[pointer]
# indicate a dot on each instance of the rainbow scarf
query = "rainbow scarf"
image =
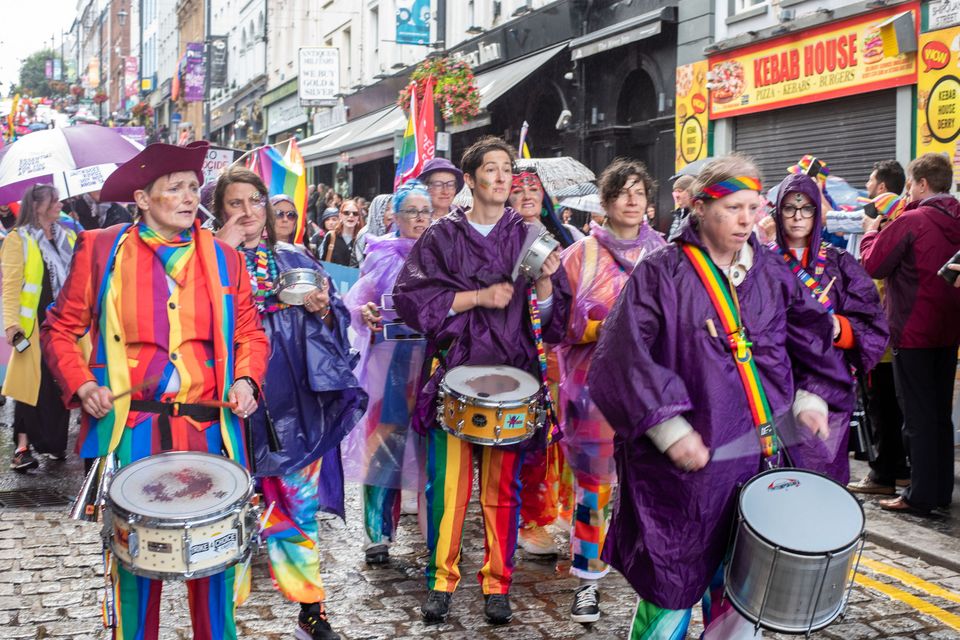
(726, 187)
(104, 434)
(542, 360)
(174, 254)
(262, 267)
(723, 295)
(811, 282)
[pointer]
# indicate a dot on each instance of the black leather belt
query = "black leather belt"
(166, 410)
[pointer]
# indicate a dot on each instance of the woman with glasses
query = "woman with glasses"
(311, 398)
(384, 453)
(339, 246)
(444, 181)
(36, 259)
(285, 213)
(835, 280)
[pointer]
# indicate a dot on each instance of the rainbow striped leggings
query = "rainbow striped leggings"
(449, 483)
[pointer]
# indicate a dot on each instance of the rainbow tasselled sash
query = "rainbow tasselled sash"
(552, 422)
(724, 299)
(811, 282)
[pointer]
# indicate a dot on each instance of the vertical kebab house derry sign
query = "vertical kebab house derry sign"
(839, 59)
(938, 95)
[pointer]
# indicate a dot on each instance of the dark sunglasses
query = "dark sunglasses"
(350, 213)
(290, 215)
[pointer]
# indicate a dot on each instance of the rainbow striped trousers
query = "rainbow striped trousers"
(450, 463)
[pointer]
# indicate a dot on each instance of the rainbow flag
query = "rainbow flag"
(284, 174)
(524, 148)
(281, 527)
(408, 165)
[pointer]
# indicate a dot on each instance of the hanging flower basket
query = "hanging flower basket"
(100, 98)
(455, 91)
(142, 110)
(77, 91)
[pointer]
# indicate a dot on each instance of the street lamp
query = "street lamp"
(122, 17)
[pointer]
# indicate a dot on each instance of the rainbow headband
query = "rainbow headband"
(726, 187)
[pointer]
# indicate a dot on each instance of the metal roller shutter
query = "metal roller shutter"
(849, 134)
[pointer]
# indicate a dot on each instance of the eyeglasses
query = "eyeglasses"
(436, 185)
(289, 215)
(350, 213)
(806, 211)
(416, 213)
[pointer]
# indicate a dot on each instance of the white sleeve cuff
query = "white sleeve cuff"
(668, 432)
(806, 401)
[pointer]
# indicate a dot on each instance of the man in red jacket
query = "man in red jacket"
(924, 315)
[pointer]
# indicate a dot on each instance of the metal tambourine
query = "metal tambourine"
(537, 253)
(294, 285)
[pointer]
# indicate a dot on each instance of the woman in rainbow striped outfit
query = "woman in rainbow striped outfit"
(597, 267)
(711, 342)
(172, 319)
(311, 398)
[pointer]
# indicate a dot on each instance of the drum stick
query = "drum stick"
(712, 328)
(138, 387)
(219, 404)
(826, 289)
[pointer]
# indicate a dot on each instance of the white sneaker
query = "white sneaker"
(535, 540)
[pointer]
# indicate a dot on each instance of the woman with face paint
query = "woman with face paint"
(836, 281)
(311, 397)
(668, 376)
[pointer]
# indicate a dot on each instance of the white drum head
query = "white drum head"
(301, 288)
(179, 485)
(492, 383)
(801, 511)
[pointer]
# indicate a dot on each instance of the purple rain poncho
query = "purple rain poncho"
(383, 451)
(656, 360)
(452, 256)
(311, 397)
(854, 296)
(597, 268)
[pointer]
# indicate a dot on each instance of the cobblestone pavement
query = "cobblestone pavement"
(51, 582)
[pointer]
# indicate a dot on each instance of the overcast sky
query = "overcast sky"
(27, 27)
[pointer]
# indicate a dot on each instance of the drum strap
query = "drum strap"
(166, 410)
(542, 360)
(723, 295)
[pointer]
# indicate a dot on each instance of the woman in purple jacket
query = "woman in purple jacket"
(667, 377)
(837, 281)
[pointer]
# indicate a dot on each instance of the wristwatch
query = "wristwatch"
(253, 385)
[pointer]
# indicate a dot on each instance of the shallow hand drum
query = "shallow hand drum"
(489, 405)
(180, 515)
(798, 538)
(294, 285)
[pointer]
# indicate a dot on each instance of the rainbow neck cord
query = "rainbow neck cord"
(811, 282)
(542, 360)
(263, 271)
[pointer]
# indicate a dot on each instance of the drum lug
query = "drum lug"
(460, 427)
(499, 413)
(133, 543)
(461, 405)
(186, 549)
(496, 434)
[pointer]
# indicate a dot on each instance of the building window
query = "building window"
(740, 6)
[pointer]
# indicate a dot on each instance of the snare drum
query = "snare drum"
(293, 285)
(798, 539)
(180, 515)
(532, 264)
(489, 405)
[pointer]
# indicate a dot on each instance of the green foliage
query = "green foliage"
(33, 75)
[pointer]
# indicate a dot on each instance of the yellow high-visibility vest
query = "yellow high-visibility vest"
(33, 279)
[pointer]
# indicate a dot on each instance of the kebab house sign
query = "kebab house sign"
(839, 59)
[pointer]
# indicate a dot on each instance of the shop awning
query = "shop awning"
(371, 136)
(616, 35)
(365, 135)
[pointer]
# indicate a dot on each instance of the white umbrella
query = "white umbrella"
(589, 203)
(74, 159)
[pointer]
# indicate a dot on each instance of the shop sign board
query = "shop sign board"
(835, 60)
(938, 95)
(691, 113)
(942, 14)
(319, 76)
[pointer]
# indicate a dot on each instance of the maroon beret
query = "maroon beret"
(155, 161)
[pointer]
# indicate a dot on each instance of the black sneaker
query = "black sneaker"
(377, 554)
(23, 461)
(586, 604)
(313, 624)
(437, 606)
(497, 608)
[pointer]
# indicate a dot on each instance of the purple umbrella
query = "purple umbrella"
(74, 159)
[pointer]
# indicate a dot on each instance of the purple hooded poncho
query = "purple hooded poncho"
(383, 451)
(854, 296)
(452, 256)
(655, 360)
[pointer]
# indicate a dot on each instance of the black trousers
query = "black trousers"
(887, 421)
(924, 379)
(46, 424)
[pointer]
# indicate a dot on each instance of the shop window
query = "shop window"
(743, 6)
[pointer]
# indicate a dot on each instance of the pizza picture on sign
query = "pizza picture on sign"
(684, 80)
(728, 81)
